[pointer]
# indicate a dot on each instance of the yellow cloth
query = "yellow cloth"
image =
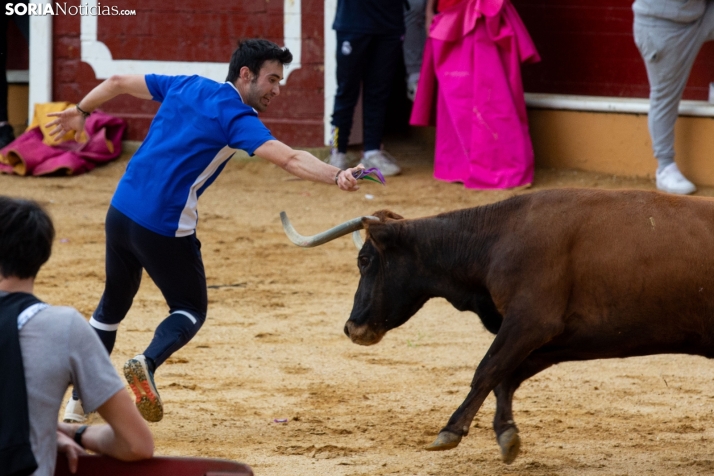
(41, 119)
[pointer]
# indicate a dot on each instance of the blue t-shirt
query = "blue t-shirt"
(373, 17)
(194, 133)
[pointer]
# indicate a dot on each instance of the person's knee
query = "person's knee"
(196, 318)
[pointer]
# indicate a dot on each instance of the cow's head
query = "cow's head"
(388, 293)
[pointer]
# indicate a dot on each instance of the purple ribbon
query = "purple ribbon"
(366, 174)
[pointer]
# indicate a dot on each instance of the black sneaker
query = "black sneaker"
(6, 135)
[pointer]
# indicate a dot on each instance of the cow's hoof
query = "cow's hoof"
(445, 441)
(510, 444)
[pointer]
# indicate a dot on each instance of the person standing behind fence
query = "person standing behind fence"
(369, 49)
(669, 35)
(470, 88)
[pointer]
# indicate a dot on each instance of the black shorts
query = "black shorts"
(174, 264)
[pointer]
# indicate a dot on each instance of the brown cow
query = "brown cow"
(557, 275)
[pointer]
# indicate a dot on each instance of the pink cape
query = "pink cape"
(470, 88)
(28, 155)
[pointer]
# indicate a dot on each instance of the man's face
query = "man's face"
(262, 89)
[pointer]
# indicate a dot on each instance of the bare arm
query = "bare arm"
(305, 165)
(72, 120)
(125, 436)
(71, 450)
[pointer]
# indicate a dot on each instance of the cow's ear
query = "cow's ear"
(383, 235)
(387, 216)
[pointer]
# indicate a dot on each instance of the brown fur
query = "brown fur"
(558, 275)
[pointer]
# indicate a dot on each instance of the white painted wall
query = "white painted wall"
(98, 56)
(330, 66)
(40, 80)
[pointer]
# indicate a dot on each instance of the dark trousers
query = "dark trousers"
(369, 61)
(175, 266)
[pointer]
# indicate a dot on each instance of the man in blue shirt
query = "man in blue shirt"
(151, 222)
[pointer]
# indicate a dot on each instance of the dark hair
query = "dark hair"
(26, 235)
(253, 53)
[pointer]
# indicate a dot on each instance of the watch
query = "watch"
(78, 435)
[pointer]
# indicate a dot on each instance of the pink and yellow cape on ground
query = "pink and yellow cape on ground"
(35, 152)
(470, 88)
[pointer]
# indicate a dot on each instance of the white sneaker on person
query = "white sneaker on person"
(671, 180)
(74, 412)
(338, 159)
(141, 382)
(383, 161)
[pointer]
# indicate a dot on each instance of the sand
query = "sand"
(273, 347)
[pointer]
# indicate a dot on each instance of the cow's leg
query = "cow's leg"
(516, 339)
(503, 422)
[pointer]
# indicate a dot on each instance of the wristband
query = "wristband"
(338, 176)
(84, 113)
(78, 435)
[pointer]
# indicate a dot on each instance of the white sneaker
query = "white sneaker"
(381, 160)
(74, 412)
(141, 382)
(339, 160)
(671, 180)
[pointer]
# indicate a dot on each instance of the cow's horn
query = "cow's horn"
(357, 239)
(325, 236)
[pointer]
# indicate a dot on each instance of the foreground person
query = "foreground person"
(151, 223)
(44, 349)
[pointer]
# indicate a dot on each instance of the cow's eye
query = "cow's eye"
(363, 261)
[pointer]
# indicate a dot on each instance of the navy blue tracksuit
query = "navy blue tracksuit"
(369, 49)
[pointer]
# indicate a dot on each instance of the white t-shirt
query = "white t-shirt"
(59, 348)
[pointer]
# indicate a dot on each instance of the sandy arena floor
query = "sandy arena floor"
(273, 346)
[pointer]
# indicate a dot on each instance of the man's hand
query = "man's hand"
(346, 180)
(68, 120)
(72, 450)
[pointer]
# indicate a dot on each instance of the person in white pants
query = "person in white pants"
(669, 35)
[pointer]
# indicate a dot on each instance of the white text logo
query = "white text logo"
(64, 9)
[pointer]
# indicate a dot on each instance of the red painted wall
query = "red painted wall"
(587, 47)
(193, 30)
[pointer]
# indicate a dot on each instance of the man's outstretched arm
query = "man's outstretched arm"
(72, 119)
(305, 165)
